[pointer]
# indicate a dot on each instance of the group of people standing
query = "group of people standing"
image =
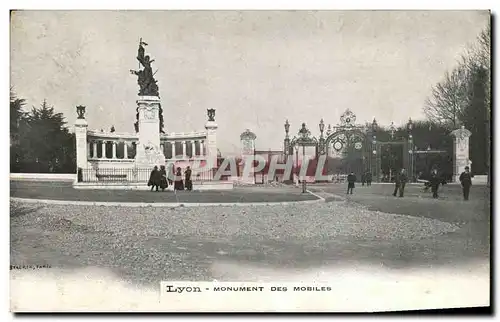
(160, 180)
(366, 177)
(402, 178)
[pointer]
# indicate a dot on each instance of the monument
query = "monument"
(124, 160)
(460, 152)
(148, 123)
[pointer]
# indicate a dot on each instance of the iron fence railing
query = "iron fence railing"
(137, 175)
(339, 178)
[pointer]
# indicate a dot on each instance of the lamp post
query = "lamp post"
(374, 149)
(303, 140)
(286, 145)
(409, 127)
(321, 138)
(321, 127)
(287, 138)
(392, 129)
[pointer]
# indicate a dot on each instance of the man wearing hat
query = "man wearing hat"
(466, 181)
(401, 179)
(351, 179)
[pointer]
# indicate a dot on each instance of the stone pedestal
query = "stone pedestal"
(149, 153)
(247, 140)
(81, 143)
(211, 143)
(460, 152)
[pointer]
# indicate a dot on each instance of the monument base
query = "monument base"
(149, 153)
(148, 156)
(149, 160)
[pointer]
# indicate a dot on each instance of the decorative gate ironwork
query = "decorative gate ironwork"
(351, 147)
(302, 140)
(347, 146)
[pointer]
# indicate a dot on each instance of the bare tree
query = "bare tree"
(478, 56)
(449, 99)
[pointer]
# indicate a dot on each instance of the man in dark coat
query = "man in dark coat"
(187, 179)
(466, 181)
(154, 179)
(368, 178)
(435, 181)
(363, 179)
(351, 179)
(401, 179)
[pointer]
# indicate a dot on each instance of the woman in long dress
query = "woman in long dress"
(187, 176)
(178, 184)
(163, 180)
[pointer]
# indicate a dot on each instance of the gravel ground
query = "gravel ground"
(117, 249)
(147, 243)
(323, 221)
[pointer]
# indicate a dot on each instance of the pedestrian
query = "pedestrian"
(163, 178)
(363, 178)
(397, 183)
(178, 183)
(435, 181)
(154, 179)
(187, 179)
(368, 178)
(351, 179)
(466, 182)
(401, 179)
(170, 174)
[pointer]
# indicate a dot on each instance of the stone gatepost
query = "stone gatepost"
(460, 152)
(149, 153)
(247, 140)
(211, 142)
(81, 126)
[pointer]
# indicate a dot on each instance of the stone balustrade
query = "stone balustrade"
(105, 150)
(121, 147)
(184, 135)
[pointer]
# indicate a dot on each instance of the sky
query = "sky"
(255, 68)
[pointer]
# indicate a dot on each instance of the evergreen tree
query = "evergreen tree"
(476, 121)
(44, 144)
(18, 125)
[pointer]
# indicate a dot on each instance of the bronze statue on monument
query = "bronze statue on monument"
(147, 83)
(145, 77)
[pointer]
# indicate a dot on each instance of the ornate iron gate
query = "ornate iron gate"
(347, 147)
